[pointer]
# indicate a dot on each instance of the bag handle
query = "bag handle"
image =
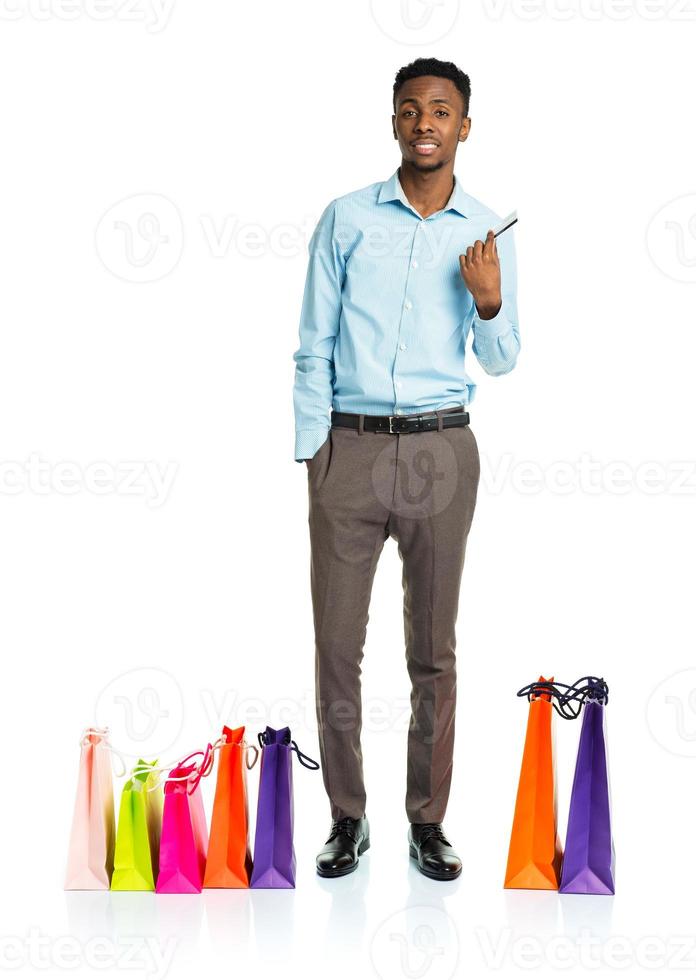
(568, 699)
(244, 745)
(139, 770)
(263, 741)
(103, 734)
(200, 770)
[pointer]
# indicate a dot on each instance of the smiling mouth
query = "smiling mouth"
(424, 148)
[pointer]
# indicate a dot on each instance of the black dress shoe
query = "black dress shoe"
(433, 852)
(348, 839)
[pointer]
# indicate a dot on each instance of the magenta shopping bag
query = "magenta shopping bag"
(274, 863)
(184, 839)
(93, 832)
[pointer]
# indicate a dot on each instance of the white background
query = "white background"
(234, 125)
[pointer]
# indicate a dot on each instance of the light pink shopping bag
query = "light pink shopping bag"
(184, 840)
(91, 850)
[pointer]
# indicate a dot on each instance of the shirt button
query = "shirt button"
(414, 264)
(402, 346)
(408, 304)
(397, 384)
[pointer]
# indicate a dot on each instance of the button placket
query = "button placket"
(406, 307)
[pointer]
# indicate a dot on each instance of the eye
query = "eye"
(443, 111)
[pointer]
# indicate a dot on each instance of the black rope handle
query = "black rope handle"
(568, 699)
(293, 748)
(302, 755)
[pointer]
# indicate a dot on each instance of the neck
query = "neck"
(428, 191)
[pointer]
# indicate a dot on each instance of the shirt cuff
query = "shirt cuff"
(307, 441)
(491, 329)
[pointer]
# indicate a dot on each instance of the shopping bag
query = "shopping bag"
(184, 840)
(229, 857)
(91, 848)
(274, 851)
(136, 860)
(588, 862)
(534, 856)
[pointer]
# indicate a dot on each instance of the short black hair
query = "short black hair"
(441, 69)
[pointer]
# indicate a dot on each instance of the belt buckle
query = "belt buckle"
(397, 419)
(400, 418)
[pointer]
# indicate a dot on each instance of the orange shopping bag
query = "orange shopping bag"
(535, 854)
(229, 857)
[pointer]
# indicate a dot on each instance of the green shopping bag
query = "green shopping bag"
(136, 859)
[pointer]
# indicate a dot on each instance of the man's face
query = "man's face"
(429, 121)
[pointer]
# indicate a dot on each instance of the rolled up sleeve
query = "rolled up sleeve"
(497, 341)
(319, 322)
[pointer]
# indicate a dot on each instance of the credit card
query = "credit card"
(505, 224)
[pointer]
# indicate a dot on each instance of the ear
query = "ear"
(464, 129)
(394, 127)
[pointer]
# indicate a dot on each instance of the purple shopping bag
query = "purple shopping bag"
(588, 862)
(274, 852)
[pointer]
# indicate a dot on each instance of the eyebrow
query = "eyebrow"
(417, 102)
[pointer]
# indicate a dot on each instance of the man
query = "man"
(400, 273)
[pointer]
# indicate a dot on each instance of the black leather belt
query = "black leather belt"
(398, 424)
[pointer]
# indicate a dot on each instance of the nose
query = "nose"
(423, 124)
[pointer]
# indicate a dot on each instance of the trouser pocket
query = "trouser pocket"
(320, 464)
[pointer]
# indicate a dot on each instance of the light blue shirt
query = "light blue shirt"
(386, 314)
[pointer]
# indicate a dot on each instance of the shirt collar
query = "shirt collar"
(391, 190)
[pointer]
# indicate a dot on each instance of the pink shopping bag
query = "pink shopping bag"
(184, 840)
(92, 837)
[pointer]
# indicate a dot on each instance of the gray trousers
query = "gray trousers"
(420, 489)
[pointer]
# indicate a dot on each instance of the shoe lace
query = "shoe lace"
(429, 830)
(346, 825)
